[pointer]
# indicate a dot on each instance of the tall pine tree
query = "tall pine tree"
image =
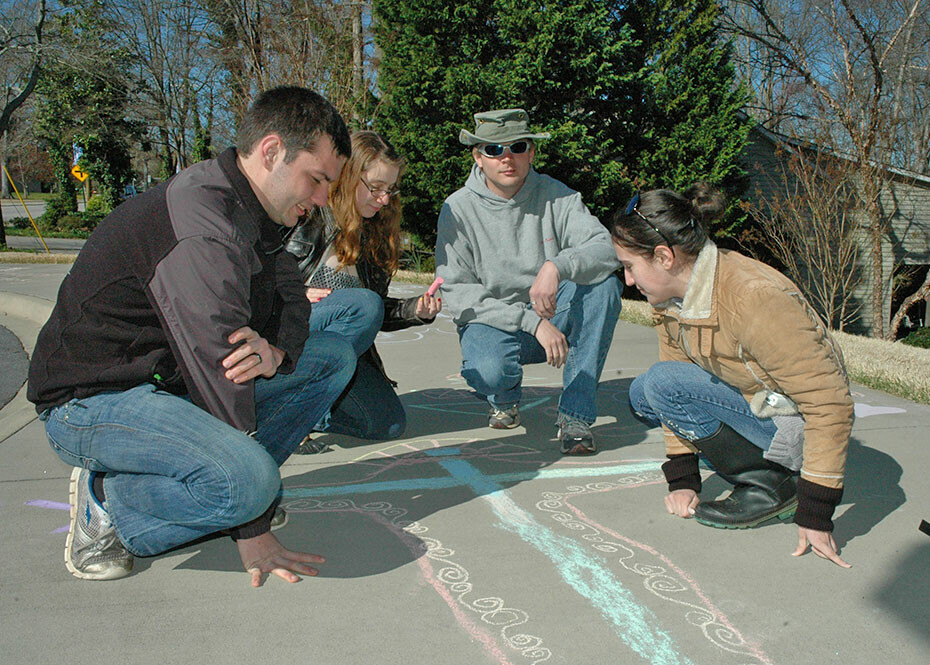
(635, 94)
(442, 63)
(692, 127)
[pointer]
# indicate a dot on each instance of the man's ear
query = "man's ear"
(664, 256)
(476, 155)
(271, 148)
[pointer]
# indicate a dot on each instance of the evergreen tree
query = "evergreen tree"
(692, 127)
(565, 64)
(635, 94)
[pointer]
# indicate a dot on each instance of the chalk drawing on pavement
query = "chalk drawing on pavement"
(661, 576)
(501, 624)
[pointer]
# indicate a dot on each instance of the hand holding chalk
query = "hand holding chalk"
(431, 291)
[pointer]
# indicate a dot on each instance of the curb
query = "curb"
(32, 309)
(24, 316)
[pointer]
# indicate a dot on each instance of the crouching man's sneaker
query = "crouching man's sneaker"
(504, 418)
(93, 551)
(575, 436)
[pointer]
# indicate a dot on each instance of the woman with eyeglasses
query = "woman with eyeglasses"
(749, 376)
(347, 253)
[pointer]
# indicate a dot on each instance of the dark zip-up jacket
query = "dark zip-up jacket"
(160, 285)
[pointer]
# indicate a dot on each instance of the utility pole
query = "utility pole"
(358, 60)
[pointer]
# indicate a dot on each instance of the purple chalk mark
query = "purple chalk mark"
(434, 286)
(53, 505)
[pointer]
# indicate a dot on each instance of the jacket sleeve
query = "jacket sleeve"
(587, 255)
(200, 291)
(467, 299)
(400, 313)
(289, 327)
(794, 348)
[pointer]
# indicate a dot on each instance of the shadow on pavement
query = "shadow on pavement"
(359, 514)
(872, 487)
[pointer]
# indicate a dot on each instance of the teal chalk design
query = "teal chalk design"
(586, 574)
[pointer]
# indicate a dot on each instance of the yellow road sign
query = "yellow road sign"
(78, 173)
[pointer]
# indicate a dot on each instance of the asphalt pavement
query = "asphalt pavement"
(463, 545)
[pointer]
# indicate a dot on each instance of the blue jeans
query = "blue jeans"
(355, 314)
(493, 359)
(369, 408)
(175, 472)
(693, 403)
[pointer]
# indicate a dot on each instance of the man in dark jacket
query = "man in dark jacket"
(176, 371)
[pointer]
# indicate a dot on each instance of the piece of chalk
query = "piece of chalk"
(434, 286)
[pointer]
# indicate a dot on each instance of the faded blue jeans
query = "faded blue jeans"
(493, 359)
(368, 408)
(693, 403)
(175, 472)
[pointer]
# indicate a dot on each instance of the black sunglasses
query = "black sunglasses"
(632, 207)
(497, 149)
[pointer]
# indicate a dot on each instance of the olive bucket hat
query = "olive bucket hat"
(502, 126)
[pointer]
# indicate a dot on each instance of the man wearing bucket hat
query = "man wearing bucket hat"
(528, 278)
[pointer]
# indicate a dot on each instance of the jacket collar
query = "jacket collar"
(700, 302)
(262, 229)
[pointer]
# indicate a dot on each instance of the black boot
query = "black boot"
(763, 489)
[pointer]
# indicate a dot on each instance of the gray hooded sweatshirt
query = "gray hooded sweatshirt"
(489, 249)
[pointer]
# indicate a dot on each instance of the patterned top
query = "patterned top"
(327, 278)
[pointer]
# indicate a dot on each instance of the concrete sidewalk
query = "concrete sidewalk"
(464, 545)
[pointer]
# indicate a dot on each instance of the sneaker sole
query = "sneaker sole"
(579, 448)
(115, 573)
(515, 423)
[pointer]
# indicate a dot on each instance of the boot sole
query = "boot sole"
(783, 513)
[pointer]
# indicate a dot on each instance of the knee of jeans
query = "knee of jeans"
(253, 481)
(369, 308)
(489, 375)
(609, 292)
(639, 405)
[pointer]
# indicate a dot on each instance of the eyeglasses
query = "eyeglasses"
(632, 207)
(497, 149)
(378, 193)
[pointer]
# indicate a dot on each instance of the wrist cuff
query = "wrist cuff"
(256, 527)
(816, 504)
(682, 473)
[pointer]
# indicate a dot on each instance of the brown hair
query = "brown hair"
(381, 232)
(298, 116)
(668, 218)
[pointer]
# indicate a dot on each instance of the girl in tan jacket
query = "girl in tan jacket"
(749, 375)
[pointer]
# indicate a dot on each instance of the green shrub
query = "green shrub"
(98, 206)
(55, 209)
(919, 338)
(72, 223)
(20, 223)
(417, 259)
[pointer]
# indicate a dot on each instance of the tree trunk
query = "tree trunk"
(919, 294)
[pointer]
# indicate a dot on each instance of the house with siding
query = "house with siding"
(904, 200)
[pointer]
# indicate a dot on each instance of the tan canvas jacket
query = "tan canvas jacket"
(749, 325)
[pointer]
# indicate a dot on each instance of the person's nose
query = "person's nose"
(320, 195)
(628, 278)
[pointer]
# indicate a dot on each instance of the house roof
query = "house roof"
(782, 139)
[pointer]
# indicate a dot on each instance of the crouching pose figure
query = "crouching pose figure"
(749, 375)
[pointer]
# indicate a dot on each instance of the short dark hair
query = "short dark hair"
(298, 115)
